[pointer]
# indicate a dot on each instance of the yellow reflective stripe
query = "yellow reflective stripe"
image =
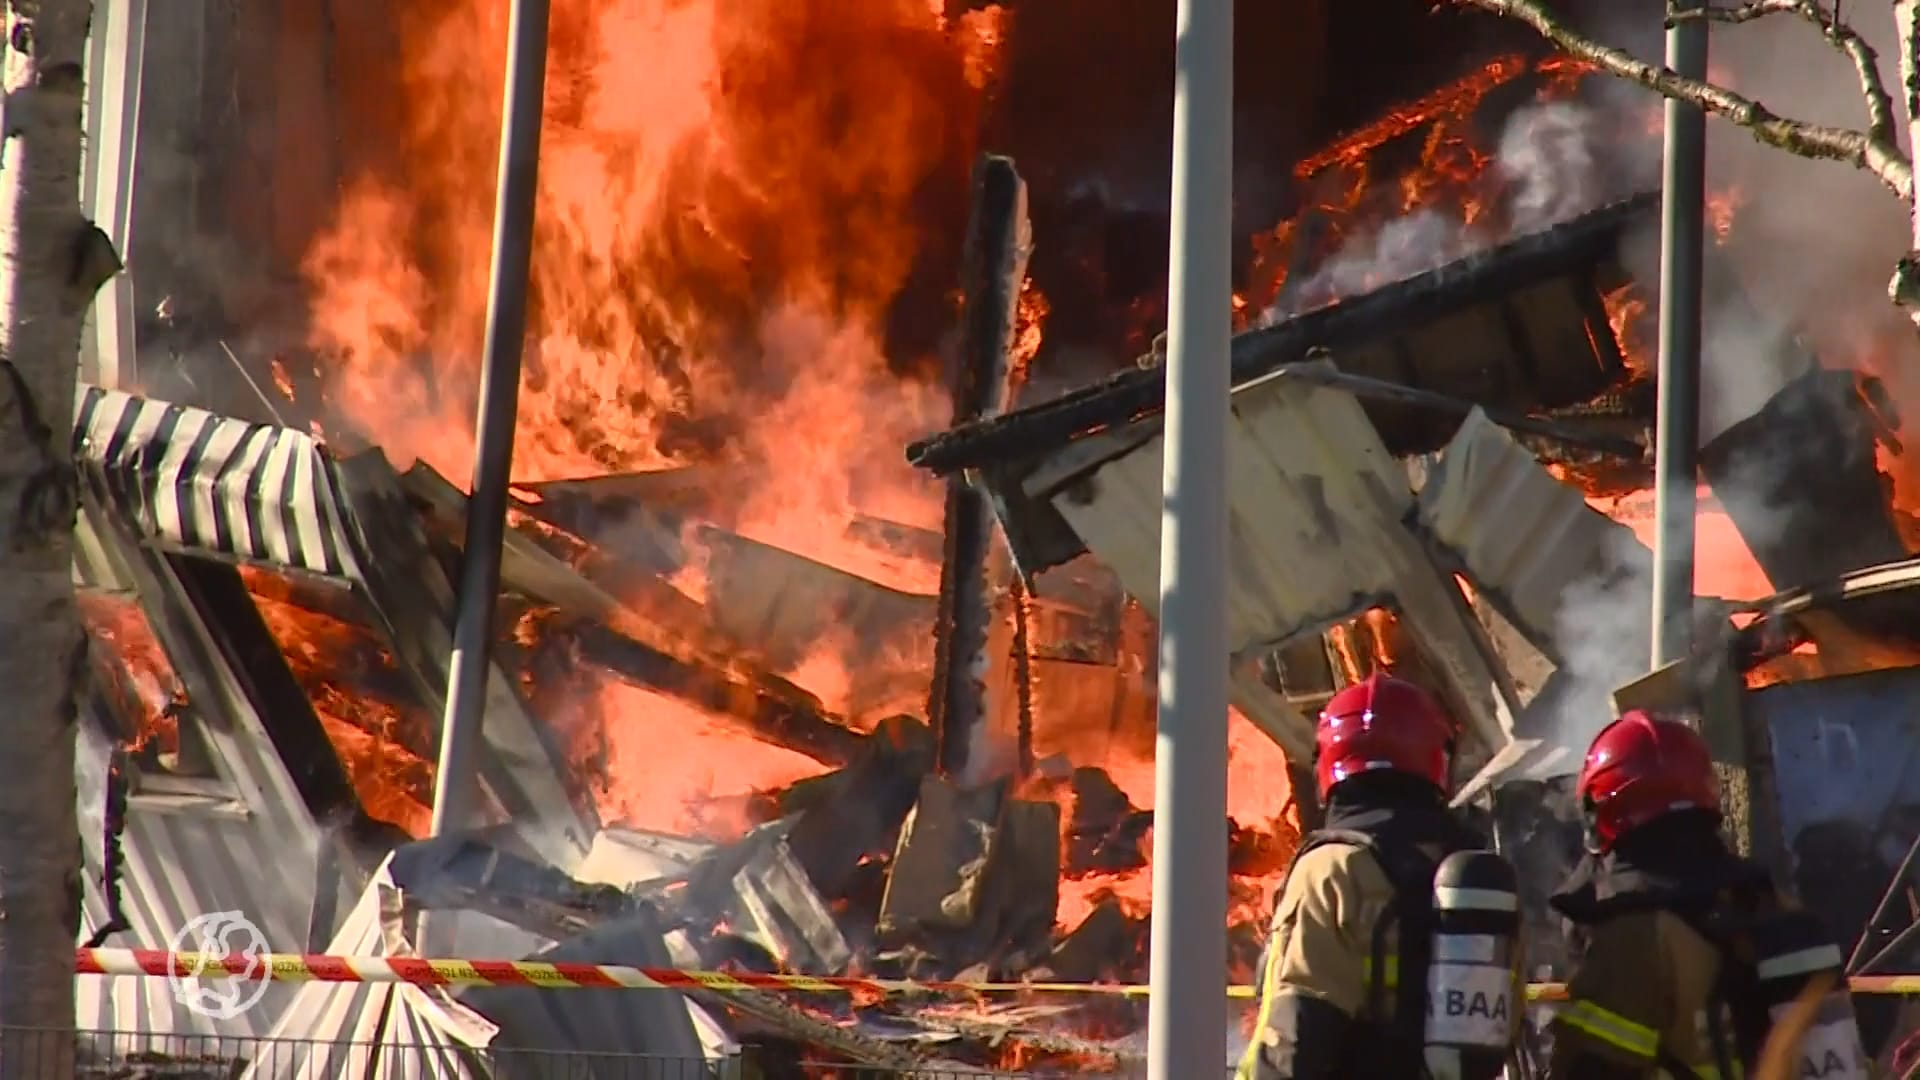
(1269, 976)
(1611, 1028)
(1392, 978)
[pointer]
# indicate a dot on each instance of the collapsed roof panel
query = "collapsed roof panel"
(1523, 325)
(1576, 251)
(1318, 534)
(1523, 537)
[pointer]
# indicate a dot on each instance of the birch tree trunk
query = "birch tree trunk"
(52, 260)
(1904, 289)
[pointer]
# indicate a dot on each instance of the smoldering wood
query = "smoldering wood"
(998, 241)
(1800, 482)
(1106, 831)
(1107, 939)
(1022, 895)
(857, 812)
(1565, 252)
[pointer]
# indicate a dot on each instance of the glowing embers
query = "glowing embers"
(384, 738)
(131, 667)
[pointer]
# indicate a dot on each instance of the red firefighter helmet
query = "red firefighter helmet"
(1640, 768)
(1382, 723)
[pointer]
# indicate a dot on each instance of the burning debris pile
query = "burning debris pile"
(766, 697)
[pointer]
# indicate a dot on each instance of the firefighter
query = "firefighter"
(1674, 932)
(1351, 929)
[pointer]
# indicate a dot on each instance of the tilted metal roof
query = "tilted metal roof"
(1319, 532)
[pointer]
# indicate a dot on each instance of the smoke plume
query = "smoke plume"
(1551, 166)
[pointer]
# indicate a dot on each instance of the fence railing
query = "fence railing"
(129, 1055)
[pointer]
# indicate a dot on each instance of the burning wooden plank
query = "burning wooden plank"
(998, 243)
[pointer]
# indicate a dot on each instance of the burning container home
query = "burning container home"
(703, 733)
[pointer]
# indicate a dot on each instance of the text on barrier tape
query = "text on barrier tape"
(298, 967)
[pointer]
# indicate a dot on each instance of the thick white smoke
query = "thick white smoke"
(1602, 630)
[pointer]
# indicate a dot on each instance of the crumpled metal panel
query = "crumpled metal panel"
(1318, 534)
(1522, 536)
(198, 481)
(379, 1031)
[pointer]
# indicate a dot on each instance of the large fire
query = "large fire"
(734, 199)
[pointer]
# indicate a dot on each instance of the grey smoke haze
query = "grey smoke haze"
(1802, 274)
(1602, 631)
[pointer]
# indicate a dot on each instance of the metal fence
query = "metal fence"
(123, 1055)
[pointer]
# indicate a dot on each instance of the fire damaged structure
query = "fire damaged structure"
(1416, 471)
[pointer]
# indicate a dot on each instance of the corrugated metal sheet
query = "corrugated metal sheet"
(1318, 533)
(187, 856)
(244, 841)
(1523, 537)
(333, 1029)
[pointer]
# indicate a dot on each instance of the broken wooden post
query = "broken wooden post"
(998, 242)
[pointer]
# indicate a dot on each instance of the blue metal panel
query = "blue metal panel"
(1845, 749)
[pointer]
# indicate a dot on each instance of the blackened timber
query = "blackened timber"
(857, 811)
(254, 656)
(996, 262)
(775, 710)
(1570, 250)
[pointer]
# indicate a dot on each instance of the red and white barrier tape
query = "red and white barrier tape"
(297, 967)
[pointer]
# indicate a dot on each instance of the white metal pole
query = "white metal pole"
(1187, 1010)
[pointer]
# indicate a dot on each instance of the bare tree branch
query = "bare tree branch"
(1878, 153)
(1866, 62)
(1757, 9)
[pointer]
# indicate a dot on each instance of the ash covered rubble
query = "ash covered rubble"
(1372, 477)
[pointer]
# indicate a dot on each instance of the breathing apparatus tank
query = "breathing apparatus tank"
(1471, 981)
(1790, 951)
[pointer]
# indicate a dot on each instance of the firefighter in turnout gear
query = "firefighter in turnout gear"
(1689, 963)
(1344, 976)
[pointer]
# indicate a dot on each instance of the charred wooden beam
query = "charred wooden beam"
(1570, 250)
(998, 243)
(772, 708)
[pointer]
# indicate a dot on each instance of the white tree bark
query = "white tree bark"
(1904, 289)
(52, 260)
